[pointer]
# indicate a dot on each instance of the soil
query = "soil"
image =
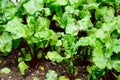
(38, 72)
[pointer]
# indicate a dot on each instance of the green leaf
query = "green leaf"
(16, 28)
(28, 57)
(9, 13)
(100, 34)
(68, 41)
(47, 11)
(118, 23)
(116, 46)
(59, 43)
(63, 78)
(109, 27)
(49, 1)
(118, 77)
(51, 75)
(96, 73)
(75, 1)
(72, 30)
(35, 78)
(53, 41)
(106, 13)
(116, 65)
(5, 70)
(33, 5)
(91, 6)
(60, 2)
(44, 23)
(20, 59)
(69, 9)
(5, 42)
(83, 41)
(44, 34)
(98, 58)
(85, 21)
(5, 4)
(22, 67)
(109, 48)
(39, 55)
(54, 56)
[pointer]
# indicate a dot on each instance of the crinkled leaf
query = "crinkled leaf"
(116, 65)
(9, 13)
(67, 41)
(44, 35)
(22, 67)
(53, 40)
(66, 20)
(20, 59)
(5, 70)
(96, 72)
(44, 23)
(59, 43)
(98, 58)
(5, 42)
(101, 34)
(74, 1)
(51, 75)
(84, 41)
(116, 46)
(60, 2)
(91, 6)
(118, 23)
(109, 48)
(33, 5)
(49, 1)
(47, 11)
(69, 9)
(72, 30)
(85, 21)
(16, 28)
(54, 56)
(5, 4)
(35, 78)
(106, 13)
(28, 57)
(63, 78)
(109, 27)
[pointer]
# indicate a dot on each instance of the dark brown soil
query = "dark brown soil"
(31, 73)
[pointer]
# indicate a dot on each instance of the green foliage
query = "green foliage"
(22, 67)
(33, 26)
(5, 70)
(28, 57)
(54, 56)
(35, 78)
(63, 78)
(95, 72)
(33, 5)
(5, 42)
(51, 75)
(17, 29)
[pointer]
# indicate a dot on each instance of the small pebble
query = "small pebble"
(37, 72)
(10, 77)
(42, 74)
(2, 79)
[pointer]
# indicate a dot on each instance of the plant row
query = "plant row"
(63, 31)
